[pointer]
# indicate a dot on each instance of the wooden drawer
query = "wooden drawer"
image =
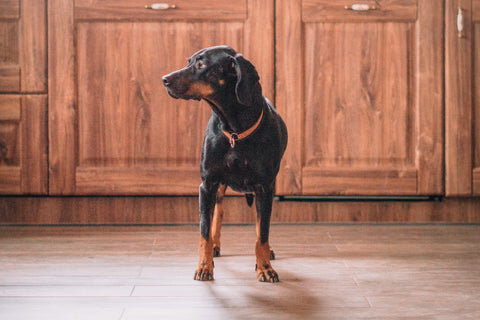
(341, 10)
(133, 10)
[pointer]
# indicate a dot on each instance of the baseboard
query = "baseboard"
(20, 210)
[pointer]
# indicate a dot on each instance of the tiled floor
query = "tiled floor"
(326, 272)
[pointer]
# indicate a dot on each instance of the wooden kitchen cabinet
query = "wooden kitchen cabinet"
(113, 128)
(362, 96)
(23, 100)
(462, 97)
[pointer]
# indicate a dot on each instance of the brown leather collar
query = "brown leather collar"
(234, 137)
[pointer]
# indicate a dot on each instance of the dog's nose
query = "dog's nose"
(166, 82)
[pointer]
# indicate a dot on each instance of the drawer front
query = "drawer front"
(359, 10)
(135, 10)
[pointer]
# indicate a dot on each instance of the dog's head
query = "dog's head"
(214, 71)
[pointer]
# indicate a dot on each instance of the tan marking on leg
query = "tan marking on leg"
(205, 264)
(263, 267)
(217, 220)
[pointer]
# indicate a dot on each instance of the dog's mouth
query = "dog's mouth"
(183, 96)
(177, 89)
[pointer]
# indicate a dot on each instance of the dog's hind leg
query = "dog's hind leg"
(217, 220)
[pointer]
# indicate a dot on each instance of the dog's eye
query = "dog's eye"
(199, 64)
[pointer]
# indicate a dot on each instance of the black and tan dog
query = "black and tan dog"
(244, 142)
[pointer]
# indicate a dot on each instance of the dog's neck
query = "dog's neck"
(234, 116)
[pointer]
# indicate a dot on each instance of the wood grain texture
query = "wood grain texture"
(126, 118)
(134, 10)
(356, 95)
(139, 181)
(458, 102)
(23, 144)
(387, 10)
(356, 181)
(475, 10)
(289, 87)
(33, 48)
(184, 210)
(34, 145)
(429, 95)
(23, 55)
(62, 117)
(120, 118)
(9, 56)
(326, 272)
(10, 9)
(476, 101)
(10, 137)
(476, 181)
(10, 179)
(260, 32)
(9, 107)
(361, 94)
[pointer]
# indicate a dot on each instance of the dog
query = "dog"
(244, 142)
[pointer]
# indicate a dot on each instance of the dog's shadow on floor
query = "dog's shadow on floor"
(289, 298)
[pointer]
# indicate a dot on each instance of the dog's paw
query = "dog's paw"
(266, 273)
(216, 252)
(204, 273)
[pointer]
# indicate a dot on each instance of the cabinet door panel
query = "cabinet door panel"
(23, 49)
(362, 99)
(462, 96)
(127, 136)
(23, 144)
(476, 97)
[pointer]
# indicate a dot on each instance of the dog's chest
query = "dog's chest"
(240, 172)
(237, 162)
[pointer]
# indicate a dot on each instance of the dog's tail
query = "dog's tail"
(249, 197)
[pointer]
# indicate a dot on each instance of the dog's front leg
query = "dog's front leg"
(217, 220)
(263, 203)
(207, 197)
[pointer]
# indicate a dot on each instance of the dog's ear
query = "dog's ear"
(248, 88)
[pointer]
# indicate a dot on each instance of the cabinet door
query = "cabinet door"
(23, 144)
(462, 96)
(23, 45)
(362, 94)
(113, 127)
